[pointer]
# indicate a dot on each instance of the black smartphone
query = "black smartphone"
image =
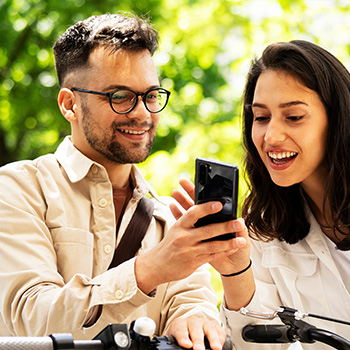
(217, 181)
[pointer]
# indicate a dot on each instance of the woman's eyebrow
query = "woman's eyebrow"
(282, 105)
(259, 105)
(293, 103)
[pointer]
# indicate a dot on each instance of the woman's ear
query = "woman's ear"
(67, 105)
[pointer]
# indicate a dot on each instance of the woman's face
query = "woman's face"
(289, 129)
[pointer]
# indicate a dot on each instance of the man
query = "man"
(60, 213)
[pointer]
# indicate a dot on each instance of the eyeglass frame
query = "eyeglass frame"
(142, 94)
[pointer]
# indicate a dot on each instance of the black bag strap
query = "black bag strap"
(134, 233)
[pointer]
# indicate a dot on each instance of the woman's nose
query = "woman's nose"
(275, 132)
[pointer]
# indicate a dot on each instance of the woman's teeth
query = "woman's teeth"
(281, 157)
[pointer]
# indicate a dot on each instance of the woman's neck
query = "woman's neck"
(322, 213)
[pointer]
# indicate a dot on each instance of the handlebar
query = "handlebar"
(51, 342)
(114, 336)
(292, 330)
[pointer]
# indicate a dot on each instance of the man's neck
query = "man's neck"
(119, 174)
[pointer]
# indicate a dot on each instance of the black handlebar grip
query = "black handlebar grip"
(267, 334)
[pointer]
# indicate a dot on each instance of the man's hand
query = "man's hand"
(190, 332)
(182, 250)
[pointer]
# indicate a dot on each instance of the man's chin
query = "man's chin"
(122, 155)
(128, 158)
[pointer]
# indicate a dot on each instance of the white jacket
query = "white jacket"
(303, 276)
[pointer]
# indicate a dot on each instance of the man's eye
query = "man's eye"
(152, 96)
(118, 96)
(122, 96)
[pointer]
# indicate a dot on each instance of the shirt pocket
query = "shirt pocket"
(297, 263)
(74, 250)
(294, 274)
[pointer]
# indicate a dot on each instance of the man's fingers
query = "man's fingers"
(188, 186)
(177, 213)
(191, 332)
(215, 333)
(179, 330)
(198, 211)
(196, 331)
(184, 201)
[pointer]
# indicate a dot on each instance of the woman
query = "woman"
(297, 143)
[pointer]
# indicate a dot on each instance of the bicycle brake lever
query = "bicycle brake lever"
(261, 315)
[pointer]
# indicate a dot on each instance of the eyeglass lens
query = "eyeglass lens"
(124, 100)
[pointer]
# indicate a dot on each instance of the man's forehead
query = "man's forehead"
(122, 67)
(105, 52)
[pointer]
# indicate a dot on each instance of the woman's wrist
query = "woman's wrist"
(239, 272)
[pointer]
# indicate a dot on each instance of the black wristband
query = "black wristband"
(240, 272)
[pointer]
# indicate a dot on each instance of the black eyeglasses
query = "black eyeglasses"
(123, 101)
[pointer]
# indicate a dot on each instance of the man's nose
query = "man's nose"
(140, 111)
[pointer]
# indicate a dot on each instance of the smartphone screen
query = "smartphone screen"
(217, 181)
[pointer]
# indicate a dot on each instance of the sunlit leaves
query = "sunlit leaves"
(205, 51)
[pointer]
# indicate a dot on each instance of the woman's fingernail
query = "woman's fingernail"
(236, 226)
(241, 242)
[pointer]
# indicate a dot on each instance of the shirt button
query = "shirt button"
(103, 202)
(119, 294)
(94, 169)
(107, 249)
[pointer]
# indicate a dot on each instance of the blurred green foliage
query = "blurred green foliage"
(205, 51)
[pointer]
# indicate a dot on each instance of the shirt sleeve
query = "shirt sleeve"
(265, 299)
(38, 293)
(192, 296)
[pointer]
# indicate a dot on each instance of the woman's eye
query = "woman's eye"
(260, 118)
(295, 118)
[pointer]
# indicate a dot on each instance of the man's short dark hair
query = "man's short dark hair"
(114, 31)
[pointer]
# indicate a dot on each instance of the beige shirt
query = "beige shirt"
(57, 234)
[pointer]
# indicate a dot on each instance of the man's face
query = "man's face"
(103, 135)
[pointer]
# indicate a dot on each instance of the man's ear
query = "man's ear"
(67, 104)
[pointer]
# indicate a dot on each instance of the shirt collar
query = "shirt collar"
(77, 167)
(75, 163)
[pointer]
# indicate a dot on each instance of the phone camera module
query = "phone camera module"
(204, 171)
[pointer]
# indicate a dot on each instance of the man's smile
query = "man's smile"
(133, 132)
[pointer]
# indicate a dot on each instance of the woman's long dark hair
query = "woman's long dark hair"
(272, 211)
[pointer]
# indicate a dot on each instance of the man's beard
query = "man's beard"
(106, 142)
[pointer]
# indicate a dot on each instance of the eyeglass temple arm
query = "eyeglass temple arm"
(91, 92)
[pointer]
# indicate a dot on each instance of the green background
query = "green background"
(205, 51)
